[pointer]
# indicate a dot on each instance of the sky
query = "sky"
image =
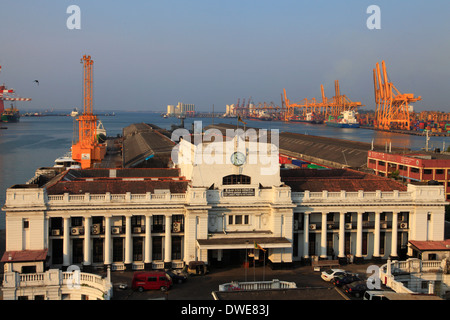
(149, 54)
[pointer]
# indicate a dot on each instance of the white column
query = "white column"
(394, 234)
(148, 239)
(323, 242)
(66, 242)
(168, 239)
(341, 235)
(108, 243)
(359, 235)
(306, 234)
(376, 240)
(87, 241)
(128, 241)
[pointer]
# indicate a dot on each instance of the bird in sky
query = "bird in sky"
(37, 81)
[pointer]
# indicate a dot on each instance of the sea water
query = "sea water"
(36, 142)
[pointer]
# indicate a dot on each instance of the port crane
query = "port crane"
(8, 95)
(392, 109)
(87, 151)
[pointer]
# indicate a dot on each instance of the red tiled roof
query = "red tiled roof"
(24, 255)
(336, 180)
(431, 245)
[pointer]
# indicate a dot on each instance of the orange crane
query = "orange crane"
(392, 106)
(341, 103)
(87, 150)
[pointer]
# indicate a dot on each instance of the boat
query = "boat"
(101, 132)
(67, 162)
(10, 115)
(346, 120)
(311, 117)
(74, 112)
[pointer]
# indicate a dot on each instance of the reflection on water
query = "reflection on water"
(37, 141)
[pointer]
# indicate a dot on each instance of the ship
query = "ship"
(10, 115)
(346, 120)
(311, 117)
(74, 112)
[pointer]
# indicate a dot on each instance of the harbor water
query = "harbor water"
(36, 142)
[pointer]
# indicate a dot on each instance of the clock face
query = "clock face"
(238, 158)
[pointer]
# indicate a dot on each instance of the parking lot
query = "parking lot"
(201, 287)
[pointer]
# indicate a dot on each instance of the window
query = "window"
(238, 219)
(77, 222)
(236, 179)
(158, 223)
(26, 224)
(427, 171)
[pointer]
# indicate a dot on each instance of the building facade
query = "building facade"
(237, 205)
(413, 167)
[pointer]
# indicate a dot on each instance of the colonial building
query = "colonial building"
(220, 208)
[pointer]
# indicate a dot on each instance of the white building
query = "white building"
(215, 209)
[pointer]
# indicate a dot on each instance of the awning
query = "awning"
(244, 243)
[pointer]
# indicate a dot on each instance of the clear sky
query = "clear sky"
(148, 54)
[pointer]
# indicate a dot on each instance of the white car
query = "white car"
(328, 275)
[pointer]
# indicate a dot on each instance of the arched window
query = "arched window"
(236, 179)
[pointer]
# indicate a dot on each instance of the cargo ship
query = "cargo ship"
(10, 115)
(310, 118)
(346, 120)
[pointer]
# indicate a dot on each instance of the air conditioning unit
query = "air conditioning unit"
(403, 225)
(96, 229)
(137, 230)
(56, 232)
(348, 226)
(75, 231)
(383, 225)
(330, 226)
(115, 230)
(312, 227)
(176, 227)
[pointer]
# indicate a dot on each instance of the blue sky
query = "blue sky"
(148, 54)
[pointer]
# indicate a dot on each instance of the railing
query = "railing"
(257, 285)
(353, 196)
(55, 277)
(111, 198)
(392, 269)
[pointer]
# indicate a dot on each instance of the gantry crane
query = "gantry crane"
(8, 95)
(87, 150)
(392, 107)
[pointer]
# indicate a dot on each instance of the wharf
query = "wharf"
(325, 151)
(411, 132)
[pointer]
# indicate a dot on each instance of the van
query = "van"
(375, 295)
(151, 280)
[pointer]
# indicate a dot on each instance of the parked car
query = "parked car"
(375, 295)
(151, 280)
(346, 279)
(176, 277)
(329, 274)
(356, 289)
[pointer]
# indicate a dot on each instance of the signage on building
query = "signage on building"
(239, 192)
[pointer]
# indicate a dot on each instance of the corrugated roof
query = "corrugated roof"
(25, 255)
(431, 245)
